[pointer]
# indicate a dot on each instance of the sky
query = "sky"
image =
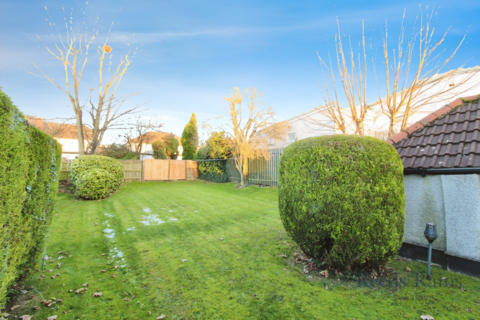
(187, 55)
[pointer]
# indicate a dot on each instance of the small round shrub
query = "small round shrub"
(95, 184)
(85, 163)
(341, 199)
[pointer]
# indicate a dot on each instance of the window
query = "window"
(291, 137)
(271, 141)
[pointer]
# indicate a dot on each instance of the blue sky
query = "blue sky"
(191, 53)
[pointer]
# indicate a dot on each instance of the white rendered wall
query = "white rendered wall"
(424, 204)
(304, 127)
(462, 215)
(452, 202)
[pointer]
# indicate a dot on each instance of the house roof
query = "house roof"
(447, 138)
(58, 130)
(154, 136)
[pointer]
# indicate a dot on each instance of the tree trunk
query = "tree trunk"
(81, 143)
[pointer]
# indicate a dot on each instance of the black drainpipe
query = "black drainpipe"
(423, 171)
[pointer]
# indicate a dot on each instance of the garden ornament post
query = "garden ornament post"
(431, 234)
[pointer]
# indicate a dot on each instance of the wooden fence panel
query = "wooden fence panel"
(133, 170)
(177, 170)
(155, 169)
(191, 170)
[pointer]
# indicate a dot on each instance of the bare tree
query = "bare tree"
(403, 96)
(106, 112)
(353, 78)
(138, 133)
(248, 129)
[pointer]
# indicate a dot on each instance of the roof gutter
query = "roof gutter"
(431, 171)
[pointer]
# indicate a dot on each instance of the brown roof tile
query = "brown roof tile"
(447, 138)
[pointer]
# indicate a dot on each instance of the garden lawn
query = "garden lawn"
(209, 251)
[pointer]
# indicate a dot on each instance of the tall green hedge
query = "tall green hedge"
(29, 161)
(215, 170)
(341, 198)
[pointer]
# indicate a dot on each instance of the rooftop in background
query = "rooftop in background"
(58, 130)
(447, 138)
(159, 135)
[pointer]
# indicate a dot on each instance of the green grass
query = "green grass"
(239, 277)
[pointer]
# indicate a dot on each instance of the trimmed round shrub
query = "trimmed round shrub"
(341, 199)
(85, 163)
(95, 184)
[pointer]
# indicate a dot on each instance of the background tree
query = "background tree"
(248, 129)
(138, 133)
(115, 150)
(105, 113)
(158, 148)
(171, 146)
(403, 95)
(218, 146)
(190, 139)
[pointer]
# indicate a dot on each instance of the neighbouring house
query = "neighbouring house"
(151, 137)
(65, 134)
(436, 93)
(305, 125)
(441, 159)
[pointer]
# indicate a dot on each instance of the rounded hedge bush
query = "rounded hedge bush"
(94, 184)
(341, 199)
(85, 163)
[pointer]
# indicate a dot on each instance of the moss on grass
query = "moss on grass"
(239, 277)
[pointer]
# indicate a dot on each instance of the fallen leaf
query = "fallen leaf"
(36, 308)
(463, 289)
(70, 290)
(161, 317)
(184, 260)
(408, 269)
(254, 294)
(104, 270)
(149, 312)
(59, 300)
(426, 317)
(114, 275)
(6, 315)
(221, 239)
(96, 223)
(52, 261)
(52, 318)
(97, 294)
(50, 270)
(14, 307)
(26, 317)
(103, 254)
(126, 299)
(115, 267)
(85, 285)
(58, 265)
(284, 269)
(468, 310)
(326, 288)
(80, 290)
(53, 277)
(283, 256)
